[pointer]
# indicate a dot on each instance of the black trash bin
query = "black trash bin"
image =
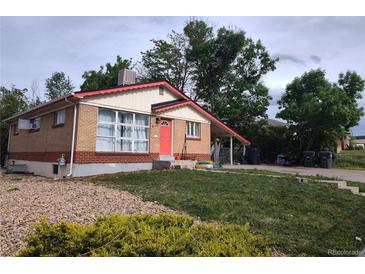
(253, 156)
(308, 158)
(325, 158)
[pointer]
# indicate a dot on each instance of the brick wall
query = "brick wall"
(87, 120)
(198, 148)
(86, 157)
(46, 143)
(154, 136)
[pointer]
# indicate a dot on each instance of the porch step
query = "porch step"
(167, 158)
(188, 164)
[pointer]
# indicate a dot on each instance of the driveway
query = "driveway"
(344, 174)
(24, 199)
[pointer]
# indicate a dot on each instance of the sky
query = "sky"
(31, 48)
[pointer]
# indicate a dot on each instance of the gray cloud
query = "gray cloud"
(34, 47)
(285, 57)
(315, 59)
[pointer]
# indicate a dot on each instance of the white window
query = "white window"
(59, 117)
(35, 123)
(120, 131)
(192, 129)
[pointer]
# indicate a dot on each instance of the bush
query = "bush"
(143, 235)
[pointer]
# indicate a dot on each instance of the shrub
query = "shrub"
(143, 235)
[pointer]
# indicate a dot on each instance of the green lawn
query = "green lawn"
(301, 219)
(351, 159)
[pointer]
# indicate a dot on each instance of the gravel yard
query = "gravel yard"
(24, 199)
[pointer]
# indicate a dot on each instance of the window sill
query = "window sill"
(33, 130)
(193, 138)
(58, 125)
(109, 153)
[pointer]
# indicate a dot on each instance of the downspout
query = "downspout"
(73, 139)
(6, 161)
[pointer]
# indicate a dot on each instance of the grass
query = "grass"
(350, 159)
(301, 219)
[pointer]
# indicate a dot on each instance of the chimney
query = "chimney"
(126, 77)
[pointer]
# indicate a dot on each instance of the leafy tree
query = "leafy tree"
(58, 85)
(106, 76)
(223, 69)
(167, 60)
(12, 101)
(320, 112)
(35, 102)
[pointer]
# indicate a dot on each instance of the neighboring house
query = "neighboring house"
(111, 130)
(358, 140)
(276, 123)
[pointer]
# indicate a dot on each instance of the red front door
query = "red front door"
(165, 136)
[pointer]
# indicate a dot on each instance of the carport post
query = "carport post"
(231, 150)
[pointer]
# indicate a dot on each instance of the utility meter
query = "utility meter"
(62, 160)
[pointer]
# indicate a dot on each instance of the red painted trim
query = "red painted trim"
(171, 88)
(172, 106)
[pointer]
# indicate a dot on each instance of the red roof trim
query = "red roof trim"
(172, 106)
(171, 88)
(131, 87)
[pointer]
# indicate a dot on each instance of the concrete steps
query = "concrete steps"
(343, 186)
(188, 164)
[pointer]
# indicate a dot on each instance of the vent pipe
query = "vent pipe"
(126, 77)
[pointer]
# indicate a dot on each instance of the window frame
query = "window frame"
(191, 129)
(32, 121)
(115, 138)
(55, 118)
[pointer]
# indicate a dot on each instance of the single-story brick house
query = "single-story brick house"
(111, 130)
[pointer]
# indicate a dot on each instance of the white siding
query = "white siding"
(135, 100)
(141, 100)
(186, 113)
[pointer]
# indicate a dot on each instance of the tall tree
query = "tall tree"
(12, 101)
(167, 60)
(35, 100)
(58, 85)
(320, 112)
(106, 76)
(224, 69)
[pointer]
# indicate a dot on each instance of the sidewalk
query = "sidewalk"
(344, 174)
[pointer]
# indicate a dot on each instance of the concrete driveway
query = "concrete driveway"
(344, 174)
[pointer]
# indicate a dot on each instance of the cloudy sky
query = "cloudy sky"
(31, 48)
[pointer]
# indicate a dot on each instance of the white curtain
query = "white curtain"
(106, 115)
(125, 145)
(125, 118)
(140, 146)
(124, 131)
(105, 130)
(61, 115)
(104, 144)
(140, 133)
(141, 120)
